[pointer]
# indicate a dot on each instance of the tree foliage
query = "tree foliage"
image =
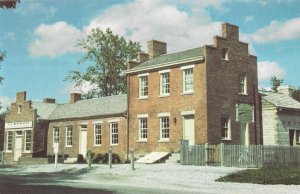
(9, 4)
(296, 94)
(2, 57)
(275, 82)
(106, 55)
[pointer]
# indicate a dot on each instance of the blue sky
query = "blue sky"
(40, 36)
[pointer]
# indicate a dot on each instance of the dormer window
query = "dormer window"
(19, 109)
(225, 54)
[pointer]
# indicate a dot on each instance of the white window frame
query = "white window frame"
(27, 141)
(55, 135)
(114, 133)
(164, 128)
(143, 85)
(225, 54)
(164, 82)
(11, 134)
(185, 81)
(143, 129)
(69, 136)
(243, 84)
(225, 128)
(98, 135)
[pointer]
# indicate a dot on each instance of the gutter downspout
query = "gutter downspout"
(128, 100)
(255, 108)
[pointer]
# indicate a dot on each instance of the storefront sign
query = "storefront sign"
(21, 124)
(245, 113)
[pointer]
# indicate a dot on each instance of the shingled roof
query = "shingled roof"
(280, 100)
(44, 110)
(171, 59)
(91, 107)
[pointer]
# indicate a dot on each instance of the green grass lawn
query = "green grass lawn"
(270, 175)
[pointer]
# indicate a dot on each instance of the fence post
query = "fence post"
(206, 154)
(2, 160)
(89, 158)
(110, 157)
(132, 159)
(222, 154)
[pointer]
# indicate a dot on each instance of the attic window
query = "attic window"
(225, 54)
(19, 109)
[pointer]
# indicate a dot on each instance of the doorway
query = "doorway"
(83, 142)
(189, 129)
(18, 145)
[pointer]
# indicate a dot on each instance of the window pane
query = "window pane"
(144, 86)
(164, 127)
(114, 133)
(69, 136)
(165, 83)
(9, 141)
(143, 128)
(225, 128)
(27, 140)
(188, 80)
(97, 134)
(55, 135)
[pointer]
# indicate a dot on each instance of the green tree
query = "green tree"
(106, 55)
(296, 94)
(2, 57)
(275, 82)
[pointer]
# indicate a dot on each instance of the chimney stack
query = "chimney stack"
(21, 97)
(156, 48)
(142, 57)
(49, 100)
(75, 97)
(230, 31)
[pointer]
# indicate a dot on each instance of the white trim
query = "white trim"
(97, 122)
(189, 112)
(24, 129)
(83, 123)
(142, 116)
(168, 64)
(163, 114)
(187, 67)
(27, 151)
(166, 140)
(113, 120)
(66, 133)
(94, 135)
(143, 74)
(164, 71)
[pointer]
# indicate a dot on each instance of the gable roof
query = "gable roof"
(280, 100)
(44, 110)
(91, 107)
(171, 59)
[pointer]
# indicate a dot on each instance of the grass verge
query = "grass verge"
(267, 175)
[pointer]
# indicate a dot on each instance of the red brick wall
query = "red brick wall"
(73, 151)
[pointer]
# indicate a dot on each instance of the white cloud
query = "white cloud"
(276, 31)
(54, 40)
(84, 88)
(5, 102)
(249, 18)
(34, 7)
(267, 69)
(139, 21)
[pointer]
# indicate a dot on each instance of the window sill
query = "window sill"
(243, 94)
(97, 145)
(142, 141)
(114, 144)
(27, 152)
(224, 59)
(68, 146)
(164, 95)
(163, 141)
(8, 151)
(142, 97)
(187, 93)
(226, 139)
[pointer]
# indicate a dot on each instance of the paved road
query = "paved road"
(34, 185)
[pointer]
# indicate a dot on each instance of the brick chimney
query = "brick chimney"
(287, 90)
(230, 31)
(132, 64)
(49, 100)
(21, 97)
(142, 57)
(75, 97)
(156, 48)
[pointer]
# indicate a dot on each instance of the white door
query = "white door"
(83, 143)
(244, 133)
(18, 148)
(189, 129)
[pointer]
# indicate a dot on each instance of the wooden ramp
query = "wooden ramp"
(152, 157)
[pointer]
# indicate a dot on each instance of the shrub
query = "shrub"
(80, 158)
(103, 158)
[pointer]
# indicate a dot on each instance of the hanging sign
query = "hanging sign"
(245, 113)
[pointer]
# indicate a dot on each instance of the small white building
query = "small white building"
(280, 117)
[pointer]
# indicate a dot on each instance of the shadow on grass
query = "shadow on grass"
(267, 175)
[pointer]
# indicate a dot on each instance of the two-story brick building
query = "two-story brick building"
(204, 95)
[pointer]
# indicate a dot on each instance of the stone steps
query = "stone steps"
(174, 158)
(70, 161)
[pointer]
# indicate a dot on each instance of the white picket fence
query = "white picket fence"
(239, 155)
